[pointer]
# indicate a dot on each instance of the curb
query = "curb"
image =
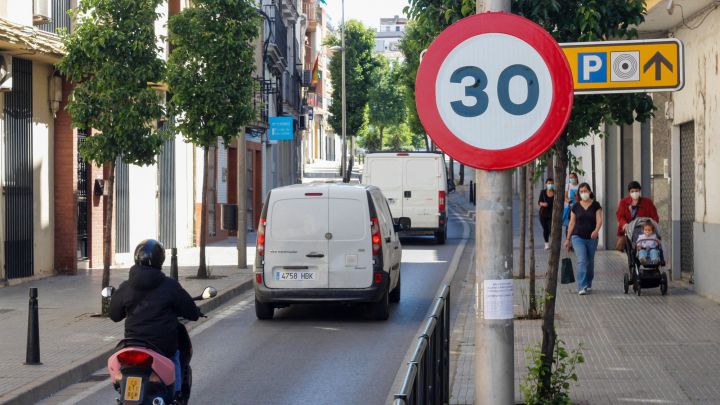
(44, 387)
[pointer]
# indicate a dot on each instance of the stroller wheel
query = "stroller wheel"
(663, 284)
(626, 283)
(636, 285)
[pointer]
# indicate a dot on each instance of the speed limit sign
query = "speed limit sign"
(494, 91)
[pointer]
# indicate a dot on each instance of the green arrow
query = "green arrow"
(658, 60)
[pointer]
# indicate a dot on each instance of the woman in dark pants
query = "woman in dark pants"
(545, 201)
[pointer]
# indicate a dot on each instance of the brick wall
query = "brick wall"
(65, 193)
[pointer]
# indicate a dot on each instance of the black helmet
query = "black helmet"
(150, 253)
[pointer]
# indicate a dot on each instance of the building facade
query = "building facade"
(388, 37)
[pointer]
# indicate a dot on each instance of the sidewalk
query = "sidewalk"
(72, 341)
(647, 349)
(322, 171)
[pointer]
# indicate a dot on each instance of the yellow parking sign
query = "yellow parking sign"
(626, 66)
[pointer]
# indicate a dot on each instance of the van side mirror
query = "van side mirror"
(450, 186)
(399, 227)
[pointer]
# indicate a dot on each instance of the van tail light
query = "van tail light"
(135, 358)
(375, 230)
(260, 245)
(441, 201)
(258, 278)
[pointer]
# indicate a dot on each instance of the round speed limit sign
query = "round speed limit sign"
(494, 91)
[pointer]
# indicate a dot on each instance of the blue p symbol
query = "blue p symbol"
(592, 67)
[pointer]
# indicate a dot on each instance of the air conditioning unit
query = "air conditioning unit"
(41, 11)
(6, 83)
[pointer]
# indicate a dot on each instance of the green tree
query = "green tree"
(368, 135)
(387, 97)
(111, 57)
(399, 137)
(575, 21)
(210, 75)
(360, 65)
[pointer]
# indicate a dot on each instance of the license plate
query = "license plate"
(133, 388)
(295, 276)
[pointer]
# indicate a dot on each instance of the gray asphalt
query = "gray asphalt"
(308, 354)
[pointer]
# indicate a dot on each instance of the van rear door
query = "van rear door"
(350, 264)
(420, 202)
(387, 174)
(296, 244)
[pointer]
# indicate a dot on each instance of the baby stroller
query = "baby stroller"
(643, 275)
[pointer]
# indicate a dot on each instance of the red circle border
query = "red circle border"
(560, 107)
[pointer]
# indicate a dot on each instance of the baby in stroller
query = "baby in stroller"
(648, 245)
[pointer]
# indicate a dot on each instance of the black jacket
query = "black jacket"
(152, 303)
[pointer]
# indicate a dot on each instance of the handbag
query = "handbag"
(566, 271)
(620, 244)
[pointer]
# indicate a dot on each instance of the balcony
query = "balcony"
(277, 50)
(289, 11)
(311, 11)
(291, 92)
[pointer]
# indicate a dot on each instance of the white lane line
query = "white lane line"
(215, 318)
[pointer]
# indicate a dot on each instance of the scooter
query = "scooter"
(143, 376)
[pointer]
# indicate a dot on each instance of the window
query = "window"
(397, 28)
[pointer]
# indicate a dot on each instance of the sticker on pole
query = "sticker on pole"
(497, 300)
(494, 91)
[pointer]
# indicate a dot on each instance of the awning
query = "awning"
(29, 42)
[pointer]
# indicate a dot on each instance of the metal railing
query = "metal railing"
(428, 376)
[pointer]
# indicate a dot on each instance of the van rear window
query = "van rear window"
(299, 219)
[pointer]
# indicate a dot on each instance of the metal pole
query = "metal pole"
(344, 105)
(241, 196)
(173, 264)
(32, 354)
(494, 329)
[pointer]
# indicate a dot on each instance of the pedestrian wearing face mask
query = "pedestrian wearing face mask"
(545, 201)
(585, 222)
(570, 197)
(631, 207)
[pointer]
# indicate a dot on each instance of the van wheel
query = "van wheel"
(395, 293)
(264, 311)
(380, 311)
(440, 237)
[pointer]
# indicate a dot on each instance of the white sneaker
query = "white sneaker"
(547, 246)
(589, 289)
(583, 291)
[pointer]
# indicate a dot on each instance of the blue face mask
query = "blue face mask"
(551, 187)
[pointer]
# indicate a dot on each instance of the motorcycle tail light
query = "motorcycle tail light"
(135, 358)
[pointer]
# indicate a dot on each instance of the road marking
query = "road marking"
(225, 313)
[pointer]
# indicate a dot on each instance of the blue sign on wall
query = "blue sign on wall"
(281, 128)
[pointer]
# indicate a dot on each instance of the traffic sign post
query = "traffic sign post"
(626, 66)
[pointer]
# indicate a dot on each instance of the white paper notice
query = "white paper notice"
(498, 299)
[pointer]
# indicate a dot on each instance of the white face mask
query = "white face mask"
(635, 195)
(585, 196)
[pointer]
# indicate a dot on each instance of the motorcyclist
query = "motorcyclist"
(150, 303)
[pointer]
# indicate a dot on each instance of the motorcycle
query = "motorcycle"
(143, 376)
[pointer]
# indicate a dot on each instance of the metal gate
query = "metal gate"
(122, 207)
(18, 188)
(82, 200)
(166, 190)
(687, 196)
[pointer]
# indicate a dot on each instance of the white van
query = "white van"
(326, 242)
(416, 186)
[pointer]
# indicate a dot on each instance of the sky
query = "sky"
(368, 12)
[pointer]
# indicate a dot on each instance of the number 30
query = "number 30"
(477, 90)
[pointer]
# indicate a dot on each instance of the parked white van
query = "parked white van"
(327, 242)
(416, 186)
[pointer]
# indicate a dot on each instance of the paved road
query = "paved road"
(313, 354)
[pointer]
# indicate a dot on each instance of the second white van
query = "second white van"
(327, 242)
(416, 186)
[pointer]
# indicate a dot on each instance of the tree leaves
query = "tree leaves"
(210, 71)
(111, 58)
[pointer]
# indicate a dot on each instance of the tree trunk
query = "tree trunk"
(381, 128)
(461, 181)
(107, 238)
(452, 170)
(530, 184)
(241, 202)
(523, 210)
(202, 269)
(427, 143)
(560, 150)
